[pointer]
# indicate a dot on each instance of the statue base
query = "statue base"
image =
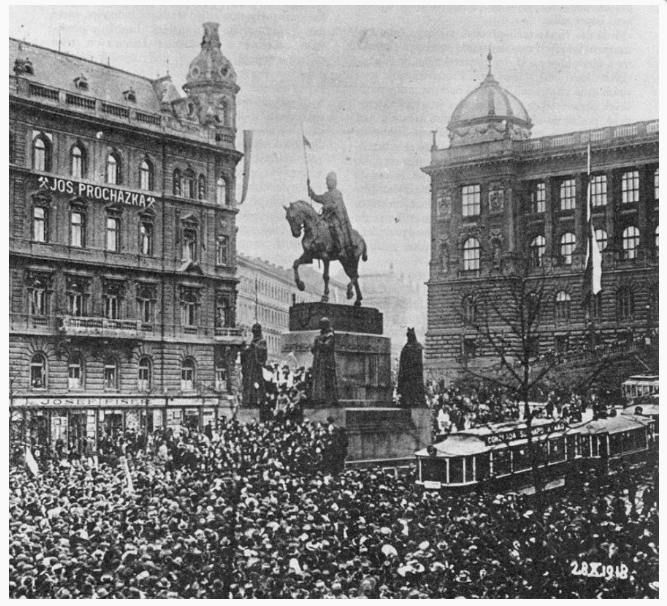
(363, 355)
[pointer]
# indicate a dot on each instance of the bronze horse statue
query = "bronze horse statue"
(318, 244)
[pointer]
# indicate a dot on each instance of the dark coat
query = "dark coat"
(253, 359)
(411, 375)
(325, 390)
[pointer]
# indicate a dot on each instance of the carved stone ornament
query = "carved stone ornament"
(496, 199)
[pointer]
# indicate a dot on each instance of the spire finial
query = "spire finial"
(489, 58)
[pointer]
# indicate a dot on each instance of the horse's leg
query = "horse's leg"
(354, 276)
(325, 275)
(302, 260)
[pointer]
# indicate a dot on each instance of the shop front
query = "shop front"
(66, 423)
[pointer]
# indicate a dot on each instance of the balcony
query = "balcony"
(101, 327)
(228, 336)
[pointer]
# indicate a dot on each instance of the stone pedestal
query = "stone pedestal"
(378, 432)
(363, 355)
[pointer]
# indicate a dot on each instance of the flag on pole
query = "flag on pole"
(247, 155)
(306, 143)
(126, 468)
(593, 267)
(31, 463)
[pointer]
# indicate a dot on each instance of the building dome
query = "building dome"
(489, 113)
(210, 65)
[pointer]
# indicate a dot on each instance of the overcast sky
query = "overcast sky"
(369, 84)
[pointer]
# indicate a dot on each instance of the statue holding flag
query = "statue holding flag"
(327, 236)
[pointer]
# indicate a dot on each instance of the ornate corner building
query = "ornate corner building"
(122, 244)
(497, 194)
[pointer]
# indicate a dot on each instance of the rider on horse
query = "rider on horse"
(335, 215)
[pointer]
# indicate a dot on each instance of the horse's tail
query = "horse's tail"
(364, 254)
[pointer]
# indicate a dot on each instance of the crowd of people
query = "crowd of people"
(287, 393)
(258, 510)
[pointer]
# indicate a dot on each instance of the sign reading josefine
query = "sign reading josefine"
(95, 192)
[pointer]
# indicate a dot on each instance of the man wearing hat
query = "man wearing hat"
(335, 215)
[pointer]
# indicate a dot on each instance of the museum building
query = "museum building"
(498, 195)
(122, 287)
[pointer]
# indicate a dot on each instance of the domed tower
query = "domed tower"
(489, 113)
(211, 84)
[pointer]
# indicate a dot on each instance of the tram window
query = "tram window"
(556, 450)
(595, 450)
(615, 444)
(434, 470)
(641, 438)
(574, 446)
(501, 462)
(540, 453)
(469, 476)
(521, 459)
(456, 471)
(482, 464)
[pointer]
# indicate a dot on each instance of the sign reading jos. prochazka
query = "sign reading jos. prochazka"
(95, 192)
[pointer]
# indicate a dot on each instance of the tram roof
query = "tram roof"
(476, 441)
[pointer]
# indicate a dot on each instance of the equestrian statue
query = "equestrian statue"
(328, 237)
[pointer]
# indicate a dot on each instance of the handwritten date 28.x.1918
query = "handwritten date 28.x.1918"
(599, 570)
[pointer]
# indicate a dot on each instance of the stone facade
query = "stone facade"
(507, 195)
(122, 245)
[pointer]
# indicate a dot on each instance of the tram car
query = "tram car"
(500, 456)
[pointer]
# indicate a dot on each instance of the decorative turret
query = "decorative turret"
(489, 113)
(211, 83)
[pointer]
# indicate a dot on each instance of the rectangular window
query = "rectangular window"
(113, 234)
(39, 224)
(220, 378)
(470, 198)
(76, 304)
(74, 376)
(38, 302)
(77, 230)
(146, 238)
(221, 257)
(630, 187)
(568, 194)
(145, 310)
(656, 184)
(469, 348)
(112, 307)
(110, 376)
(598, 187)
(538, 198)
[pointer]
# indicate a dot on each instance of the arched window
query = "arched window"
(567, 243)
(537, 248)
(75, 373)
(630, 242)
(469, 308)
(601, 238)
(177, 182)
(38, 371)
(188, 375)
(114, 169)
(625, 303)
(78, 162)
(41, 153)
(471, 254)
(221, 191)
(563, 304)
(146, 175)
(145, 378)
(189, 184)
(201, 187)
(110, 374)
